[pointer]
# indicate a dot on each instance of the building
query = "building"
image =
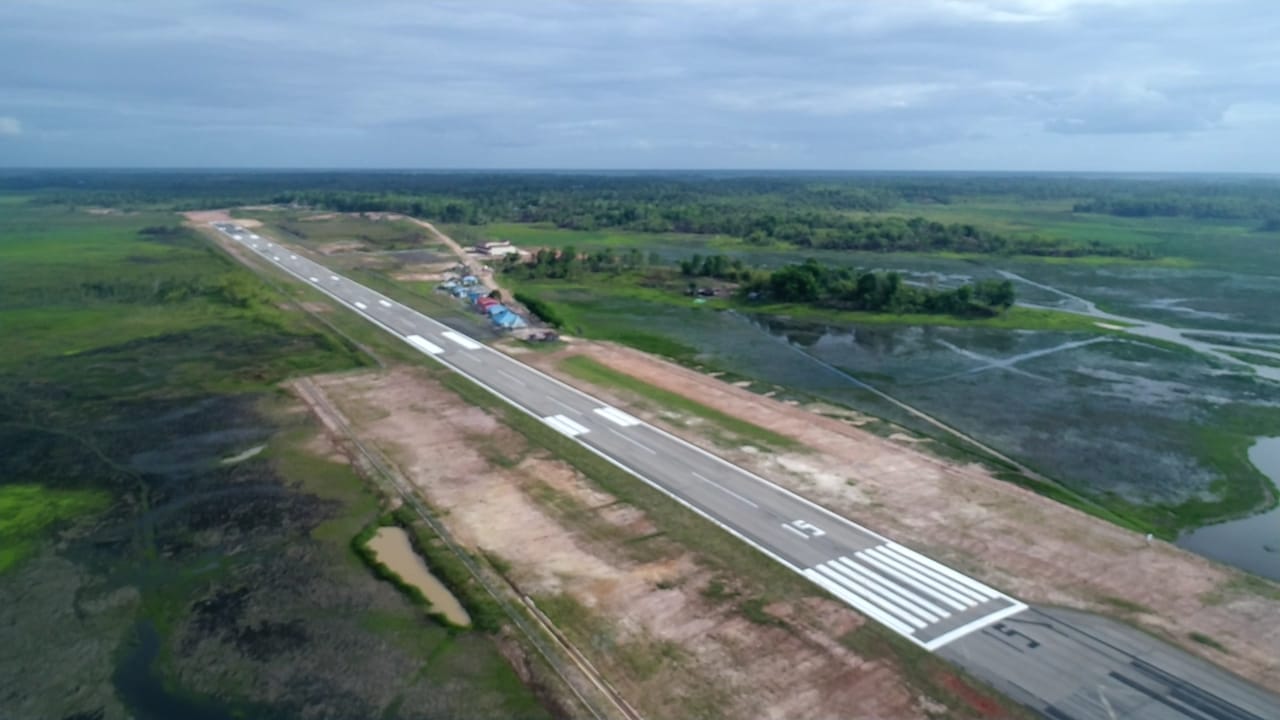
(497, 248)
(507, 320)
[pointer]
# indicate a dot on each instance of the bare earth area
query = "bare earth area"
(1008, 537)
(204, 217)
(652, 620)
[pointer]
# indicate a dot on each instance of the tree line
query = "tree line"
(851, 289)
(809, 282)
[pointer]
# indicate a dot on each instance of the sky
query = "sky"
(1022, 85)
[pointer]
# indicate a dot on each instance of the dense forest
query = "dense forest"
(807, 210)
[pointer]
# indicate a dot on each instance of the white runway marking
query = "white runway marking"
(974, 626)
(361, 305)
(616, 416)
(905, 574)
(511, 377)
(423, 344)
(384, 303)
(914, 602)
(857, 602)
(315, 279)
(873, 600)
(333, 278)
(276, 258)
(293, 257)
(718, 486)
(462, 340)
(635, 442)
(967, 582)
(564, 425)
(797, 532)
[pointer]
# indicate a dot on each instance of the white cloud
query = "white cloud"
(9, 125)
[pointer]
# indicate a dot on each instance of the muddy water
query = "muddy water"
(392, 547)
(1253, 543)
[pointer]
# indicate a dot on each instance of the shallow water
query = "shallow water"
(1252, 543)
(392, 547)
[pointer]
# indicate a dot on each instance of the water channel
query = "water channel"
(1251, 543)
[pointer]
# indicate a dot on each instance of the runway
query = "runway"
(934, 606)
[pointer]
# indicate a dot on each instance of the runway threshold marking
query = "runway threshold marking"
(892, 583)
(722, 488)
(424, 344)
(565, 426)
(616, 416)
(462, 340)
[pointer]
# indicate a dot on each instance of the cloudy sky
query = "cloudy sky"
(1126, 85)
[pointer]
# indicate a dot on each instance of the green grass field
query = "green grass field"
(1178, 242)
(134, 363)
(587, 369)
(294, 226)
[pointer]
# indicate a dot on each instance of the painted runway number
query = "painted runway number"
(804, 529)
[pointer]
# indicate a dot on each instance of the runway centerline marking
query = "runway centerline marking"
(564, 405)
(722, 488)
(511, 377)
(633, 441)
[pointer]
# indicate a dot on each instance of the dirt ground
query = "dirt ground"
(203, 217)
(670, 648)
(1011, 538)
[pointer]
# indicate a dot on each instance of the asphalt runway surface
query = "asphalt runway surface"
(1051, 663)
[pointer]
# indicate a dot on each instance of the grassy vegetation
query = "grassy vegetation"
(1125, 606)
(485, 613)
(1015, 318)
(587, 369)
(1208, 642)
(577, 306)
(296, 227)
(26, 511)
(134, 349)
(548, 235)
(1179, 241)
(1255, 358)
(639, 658)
